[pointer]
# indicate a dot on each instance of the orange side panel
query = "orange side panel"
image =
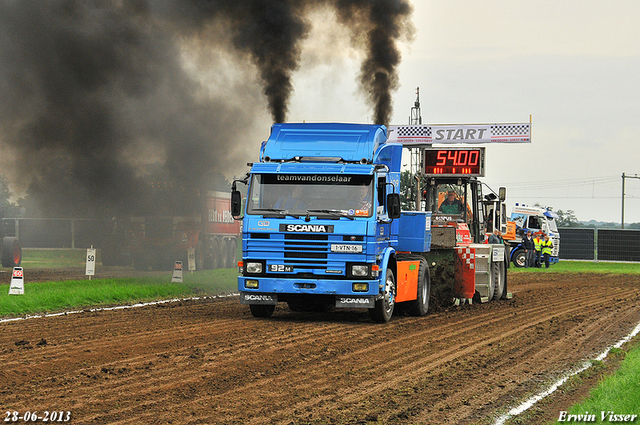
(407, 280)
(511, 231)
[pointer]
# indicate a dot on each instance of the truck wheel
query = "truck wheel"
(11, 252)
(519, 258)
(261, 310)
(199, 253)
(383, 309)
(231, 253)
(499, 279)
(420, 306)
(224, 254)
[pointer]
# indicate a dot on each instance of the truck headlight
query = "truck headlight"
(253, 267)
(359, 270)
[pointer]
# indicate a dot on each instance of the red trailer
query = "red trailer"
(156, 242)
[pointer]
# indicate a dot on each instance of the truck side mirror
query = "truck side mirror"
(236, 203)
(393, 205)
(502, 193)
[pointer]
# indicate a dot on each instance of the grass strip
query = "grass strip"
(47, 297)
(566, 266)
(616, 398)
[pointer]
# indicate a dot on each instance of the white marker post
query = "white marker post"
(17, 282)
(177, 273)
(91, 262)
(191, 256)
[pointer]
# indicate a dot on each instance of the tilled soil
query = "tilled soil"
(210, 362)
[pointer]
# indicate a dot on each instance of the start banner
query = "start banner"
(427, 134)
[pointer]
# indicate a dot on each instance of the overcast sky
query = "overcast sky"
(572, 66)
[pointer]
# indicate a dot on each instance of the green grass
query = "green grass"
(41, 297)
(618, 393)
(53, 258)
(565, 266)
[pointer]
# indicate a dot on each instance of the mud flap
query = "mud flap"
(262, 299)
(354, 302)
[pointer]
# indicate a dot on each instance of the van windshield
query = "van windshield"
(300, 194)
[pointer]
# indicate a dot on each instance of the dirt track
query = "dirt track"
(211, 362)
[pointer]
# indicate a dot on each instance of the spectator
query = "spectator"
(537, 243)
(547, 249)
(496, 237)
(529, 250)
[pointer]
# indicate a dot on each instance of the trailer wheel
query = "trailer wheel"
(11, 252)
(383, 309)
(215, 254)
(420, 306)
(499, 279)
(261, 310)
(519, 258)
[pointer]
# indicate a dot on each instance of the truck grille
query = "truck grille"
(301, 250)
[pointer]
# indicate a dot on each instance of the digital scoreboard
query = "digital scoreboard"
(456, 162)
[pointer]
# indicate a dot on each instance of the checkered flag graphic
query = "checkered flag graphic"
(414, 131)
(510, 130)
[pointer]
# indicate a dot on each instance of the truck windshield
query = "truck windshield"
(302, 194)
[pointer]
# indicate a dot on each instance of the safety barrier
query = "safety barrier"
(599, 244)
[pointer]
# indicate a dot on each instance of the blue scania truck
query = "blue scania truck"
(323, 227)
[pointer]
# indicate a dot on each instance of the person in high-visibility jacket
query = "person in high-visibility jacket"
(537, 242)
(547, 248)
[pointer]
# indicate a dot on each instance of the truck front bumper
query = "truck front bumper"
(347, 293)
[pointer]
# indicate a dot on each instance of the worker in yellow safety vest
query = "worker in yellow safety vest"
(547, 248)
(537, 243)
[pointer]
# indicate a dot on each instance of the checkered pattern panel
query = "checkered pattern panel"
(414, 131)
(509, 130)
(466, 254)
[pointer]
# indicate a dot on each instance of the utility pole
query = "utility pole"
(416, 157)
(624, 176)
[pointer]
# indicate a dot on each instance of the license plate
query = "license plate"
(346, 248)
(280, 268)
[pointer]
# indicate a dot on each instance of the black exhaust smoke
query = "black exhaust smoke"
(89, 90)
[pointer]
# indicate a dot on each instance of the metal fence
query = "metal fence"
(575, 243)
(599, 244)
(58, 233)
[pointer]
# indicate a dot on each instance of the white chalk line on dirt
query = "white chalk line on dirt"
(586, 365)
(119, 307)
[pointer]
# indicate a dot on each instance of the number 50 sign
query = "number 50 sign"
(91, 262)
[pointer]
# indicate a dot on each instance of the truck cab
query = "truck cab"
(539, 220)
(321, 222)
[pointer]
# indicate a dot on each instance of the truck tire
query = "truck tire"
(215, 254)
(224, 254)
(519, 258)
(11, 252)
(499, 277)
(199, 253)
(420, 306)
(383, 309)
(261, 310)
